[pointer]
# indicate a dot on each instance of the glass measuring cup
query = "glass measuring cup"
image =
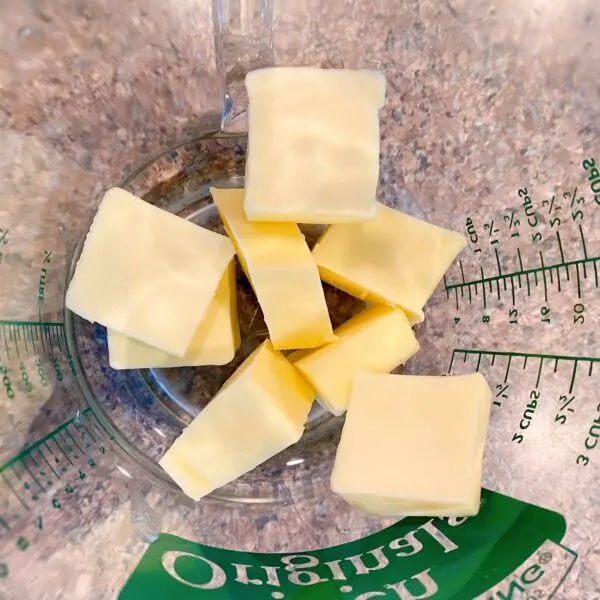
(476, 164)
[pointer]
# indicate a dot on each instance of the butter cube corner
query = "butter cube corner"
(282, 272)
(414, 445)
(393, 259)
(261, 410)
(147, 273)
(215, 342)
(313, 154)
(376, 340)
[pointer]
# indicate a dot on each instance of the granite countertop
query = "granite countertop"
(483, 97)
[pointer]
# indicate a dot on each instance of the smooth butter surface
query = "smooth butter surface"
(281, 269)
(313, 153)
(146, 273)
(413, 445)
(376, 340)
(215, 342)
(260, 411)
(393, 258)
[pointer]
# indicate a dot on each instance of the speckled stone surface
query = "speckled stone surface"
(483, 98)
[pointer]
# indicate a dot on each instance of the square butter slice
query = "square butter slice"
(393, 258)
(282, 271)
(215, 342)
(146, 273)
(313, 144)
(260, 411)
(376, 340)
(414, 445)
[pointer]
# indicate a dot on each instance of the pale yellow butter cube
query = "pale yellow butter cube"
(394, 258)
(313, 144)
(377, 340)
(146, 273)
(414, 445)
(260, 411)
(215, 342)
(281, 269)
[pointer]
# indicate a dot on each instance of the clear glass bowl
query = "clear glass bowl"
(145, 410)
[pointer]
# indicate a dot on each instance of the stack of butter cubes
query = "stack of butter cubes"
(165, 289)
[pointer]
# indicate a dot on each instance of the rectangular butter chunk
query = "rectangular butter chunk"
(215, 342)
(414, 445)
(313, 144)
(260, 411)
(377, 340)
(147, 273)
(281, 269)
(394, 258)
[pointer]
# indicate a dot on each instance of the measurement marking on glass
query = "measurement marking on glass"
(48, 463)
(560, 247)
(480, 353)
(74, 441)
(573, 376)
(16, 337)
(6, 344)
(60, 435)
(12, 489)
(483, 279)
(89, 433)
(521, 268)
(35, 463)
(530, 273)
(23, 339)
(544, 274)
(537, 381)
(26, 344)
(585, 254)
(33, 477)
(558, 280)
(32, 323)
(525, 272)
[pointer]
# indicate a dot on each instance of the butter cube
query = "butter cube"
(313, 144)
(377, 340)
(146, 273)
(260, 411)
(394, 258)
(413, 445)
(215, 342)
(281, 269)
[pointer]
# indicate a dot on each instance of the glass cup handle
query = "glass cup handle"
(243, 31)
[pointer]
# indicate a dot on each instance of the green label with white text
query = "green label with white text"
(510, 550)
